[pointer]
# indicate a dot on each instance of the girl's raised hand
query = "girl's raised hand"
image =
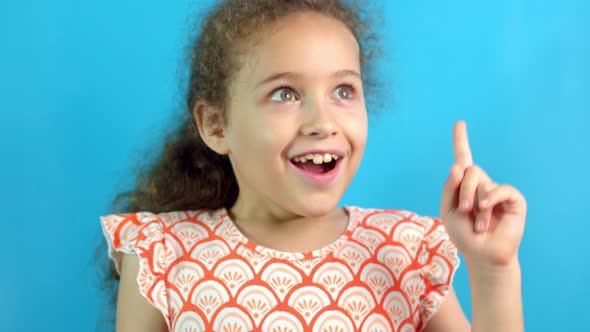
(485, 220)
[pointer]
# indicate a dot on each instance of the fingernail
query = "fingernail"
(484, 203)
(479, 225)
(465, 204)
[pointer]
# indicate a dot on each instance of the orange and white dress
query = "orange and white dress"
(389, 271)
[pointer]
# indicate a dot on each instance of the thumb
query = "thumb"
(450, 194)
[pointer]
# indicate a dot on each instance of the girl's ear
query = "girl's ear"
(211, 127)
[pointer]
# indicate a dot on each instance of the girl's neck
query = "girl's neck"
(283, 230)
(270, 215)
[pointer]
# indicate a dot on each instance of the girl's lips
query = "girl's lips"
(323, 178)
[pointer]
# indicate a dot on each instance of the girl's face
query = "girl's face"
(298, 93)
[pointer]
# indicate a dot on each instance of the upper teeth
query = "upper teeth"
(317, 158)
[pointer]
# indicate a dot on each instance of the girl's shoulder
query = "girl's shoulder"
(129, 229)
(394, 220)
(191, 226)
(173, 221)
(144, 233)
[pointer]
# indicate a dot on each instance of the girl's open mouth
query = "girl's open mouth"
(318, 168)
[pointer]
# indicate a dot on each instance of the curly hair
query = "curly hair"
(186, 174)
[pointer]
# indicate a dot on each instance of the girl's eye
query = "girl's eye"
(343, 92)
(283, 94)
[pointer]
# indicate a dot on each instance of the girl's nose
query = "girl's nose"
(318, 122)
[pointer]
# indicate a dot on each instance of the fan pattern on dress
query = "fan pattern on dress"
(388, 272)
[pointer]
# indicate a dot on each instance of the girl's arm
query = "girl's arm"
(134, 312)
(496, 297)
(449, 317)
(485, 220)
(496, 303)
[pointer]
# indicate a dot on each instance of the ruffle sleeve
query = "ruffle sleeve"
(141, 234)
(438, 263)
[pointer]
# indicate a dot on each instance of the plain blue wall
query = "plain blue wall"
(86, 87)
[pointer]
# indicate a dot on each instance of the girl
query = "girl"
(237, 227)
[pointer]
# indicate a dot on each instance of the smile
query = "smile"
(320, 168)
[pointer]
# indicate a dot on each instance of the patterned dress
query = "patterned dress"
(389, 271)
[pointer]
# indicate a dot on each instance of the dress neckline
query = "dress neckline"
(353, 222)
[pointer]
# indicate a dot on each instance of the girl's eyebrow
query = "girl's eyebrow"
(291, 75)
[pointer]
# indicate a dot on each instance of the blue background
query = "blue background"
(86, 88)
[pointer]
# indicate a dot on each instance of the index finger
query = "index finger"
(461, 145)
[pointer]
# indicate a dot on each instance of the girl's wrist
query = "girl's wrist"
(493, 273)
(496, 296)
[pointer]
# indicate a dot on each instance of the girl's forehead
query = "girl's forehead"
(305, 43)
